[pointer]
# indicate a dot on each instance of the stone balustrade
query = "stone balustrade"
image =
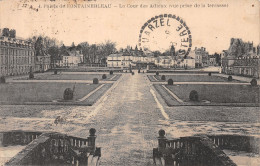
(51, 148)
(201, 150)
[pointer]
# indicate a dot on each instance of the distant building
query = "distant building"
(164, 62)
(73, 59)
(241, 59)
(212, 60)
(127, 59)
(115, 60)
(70, 58)
(43, 62)
(138, 59)
(175, 62)
(17, 56)
(188, 63)
(201, 57)
(197, 57)
(247, 66)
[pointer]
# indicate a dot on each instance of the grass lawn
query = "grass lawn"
(41, 92)
(72, 76)
(191, 78)
(218, 93)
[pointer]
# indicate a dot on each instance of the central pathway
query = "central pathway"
(127, 123)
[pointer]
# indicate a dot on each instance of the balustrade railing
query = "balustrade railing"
(237, 142)
(51, 148)
(17, 137)
(201, 150)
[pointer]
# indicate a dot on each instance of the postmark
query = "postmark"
(162, 31)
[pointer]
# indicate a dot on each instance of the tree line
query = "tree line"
(92, 53)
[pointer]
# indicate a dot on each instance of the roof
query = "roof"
(115, 55)
(74, 53)
(126, 54)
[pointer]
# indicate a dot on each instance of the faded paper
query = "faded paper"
(125, 138)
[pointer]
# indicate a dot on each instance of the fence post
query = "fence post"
(91, 140)
(161, 141)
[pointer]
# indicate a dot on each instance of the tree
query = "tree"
(55, 54)
(172, 51)
(218, 59)
(96, 53)
(12, 33)
(107, 49)
(44, 45)
(85, 51)
(5, 32)
(39, 47)
(157, 53)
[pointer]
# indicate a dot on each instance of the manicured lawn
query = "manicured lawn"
(191, 78)
(41, 92)
(218, 93)
(72, 76)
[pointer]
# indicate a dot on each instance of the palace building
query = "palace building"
(17, 56)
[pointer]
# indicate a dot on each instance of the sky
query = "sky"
(211, 27)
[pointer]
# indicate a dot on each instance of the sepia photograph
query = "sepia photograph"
(130, 82)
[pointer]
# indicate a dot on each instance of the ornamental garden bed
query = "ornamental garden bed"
(211, 94)
(49, 93)
(189, 78)
(67, 76)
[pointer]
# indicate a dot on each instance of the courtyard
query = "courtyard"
(129, 115)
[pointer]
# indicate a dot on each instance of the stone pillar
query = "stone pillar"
(91, 140)
(161, 141)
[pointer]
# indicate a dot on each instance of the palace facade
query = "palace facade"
(17, 56)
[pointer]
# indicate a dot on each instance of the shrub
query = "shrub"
(163, 77)
(104, 76)
(55, 72)
(95, 81)
(111, 72)
(209, 73)
(68, 94)
(253, 82)
(230, 78)
(2, 79)
(157, 73)
(194, 96)
(31, 76)
(170, 81)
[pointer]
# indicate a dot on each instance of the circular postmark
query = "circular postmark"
(161, 32)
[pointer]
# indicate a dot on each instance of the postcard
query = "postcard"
(130, 82)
